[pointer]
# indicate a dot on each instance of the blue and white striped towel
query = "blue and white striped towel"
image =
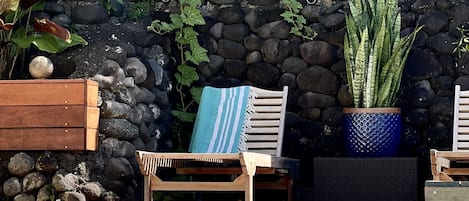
(222, 119)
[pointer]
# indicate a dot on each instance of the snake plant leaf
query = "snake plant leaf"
(374, 52)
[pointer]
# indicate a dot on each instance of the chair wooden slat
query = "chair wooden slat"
(265, 116)
(267, 101)
(254, 137)
(262, 130)
(264, 123)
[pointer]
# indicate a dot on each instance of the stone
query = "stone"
(288, 79)
(417, 117)
(124, 149)
(254, 57)
(216, 30)
(114, 109)
(441, 43)
(230, 15)
(41, 67)
(157, 53)
(332, 116)
(422, 64)
(231, 49)
(344, 96)
(441, 110)
(316, 100)
(53, 7)
(11, 187)
(448, 65)
(142, 95)
(73, 196)
(90, 14)
(338, 66)
(318, 53)
(318, 79)
(109, 145)
(62, 19)
(139, 144)
(420, 6)
(263, 74)
(118, 169)
(334, 21)
(223, 2)
(123, 95)
(442, 82)
(110, 196)
(24, 197)
(294, 65)
(459, 13)
(46, 163)
(253, 42)
(33, 181)
(155, 73)
(67, 182)
(434, 22)
(275, 51)
(211, 69)
(118, 128)
(235, 32)
(162, 99)
(278, 29)
(311, 113)
(421, 94)
(408, 19)
(436, 134)
(43, 194)
(234, 68)
(21, 164)
(128, 48)
(110, 75)
(208, 43)
(311, 12)
(117, 8)
(136, 69)
(263, 2)
(91, 190)
(463, 64)
(146, 38)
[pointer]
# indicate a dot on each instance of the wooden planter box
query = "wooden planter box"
(48, 114)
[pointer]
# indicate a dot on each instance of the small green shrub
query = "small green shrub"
(293, 16)
(462, 45)
(138, 9)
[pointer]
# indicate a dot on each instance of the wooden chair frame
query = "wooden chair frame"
(263, 157)
(441, 160)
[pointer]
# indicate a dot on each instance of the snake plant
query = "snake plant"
(374, 52)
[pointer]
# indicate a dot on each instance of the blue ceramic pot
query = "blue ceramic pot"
(372, 132)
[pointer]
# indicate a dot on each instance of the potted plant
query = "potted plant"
(35, 113)
(19, 32)
(375, 56)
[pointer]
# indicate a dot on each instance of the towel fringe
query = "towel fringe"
(242, 147)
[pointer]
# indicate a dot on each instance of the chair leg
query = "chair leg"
(147, 194)
(290, 188)
(249, 188)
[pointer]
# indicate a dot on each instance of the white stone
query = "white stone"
(41, 67)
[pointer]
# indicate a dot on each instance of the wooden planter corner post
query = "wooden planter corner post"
(59, 114)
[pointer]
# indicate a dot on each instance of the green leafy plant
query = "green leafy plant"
(16, 34)
(139, 9)
(191, 53)
(374, 52)
(110, 7)
(296, 20)
(462, 45)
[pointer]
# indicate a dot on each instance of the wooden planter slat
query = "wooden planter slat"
(48, 114)
(48, 92)
(72, 139)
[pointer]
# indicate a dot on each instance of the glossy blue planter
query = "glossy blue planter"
(372, 132)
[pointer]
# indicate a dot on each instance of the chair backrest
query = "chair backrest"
(461, 119)
(267, 122)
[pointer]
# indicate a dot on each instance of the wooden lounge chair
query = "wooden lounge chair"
(263, 156)
(441, 160)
